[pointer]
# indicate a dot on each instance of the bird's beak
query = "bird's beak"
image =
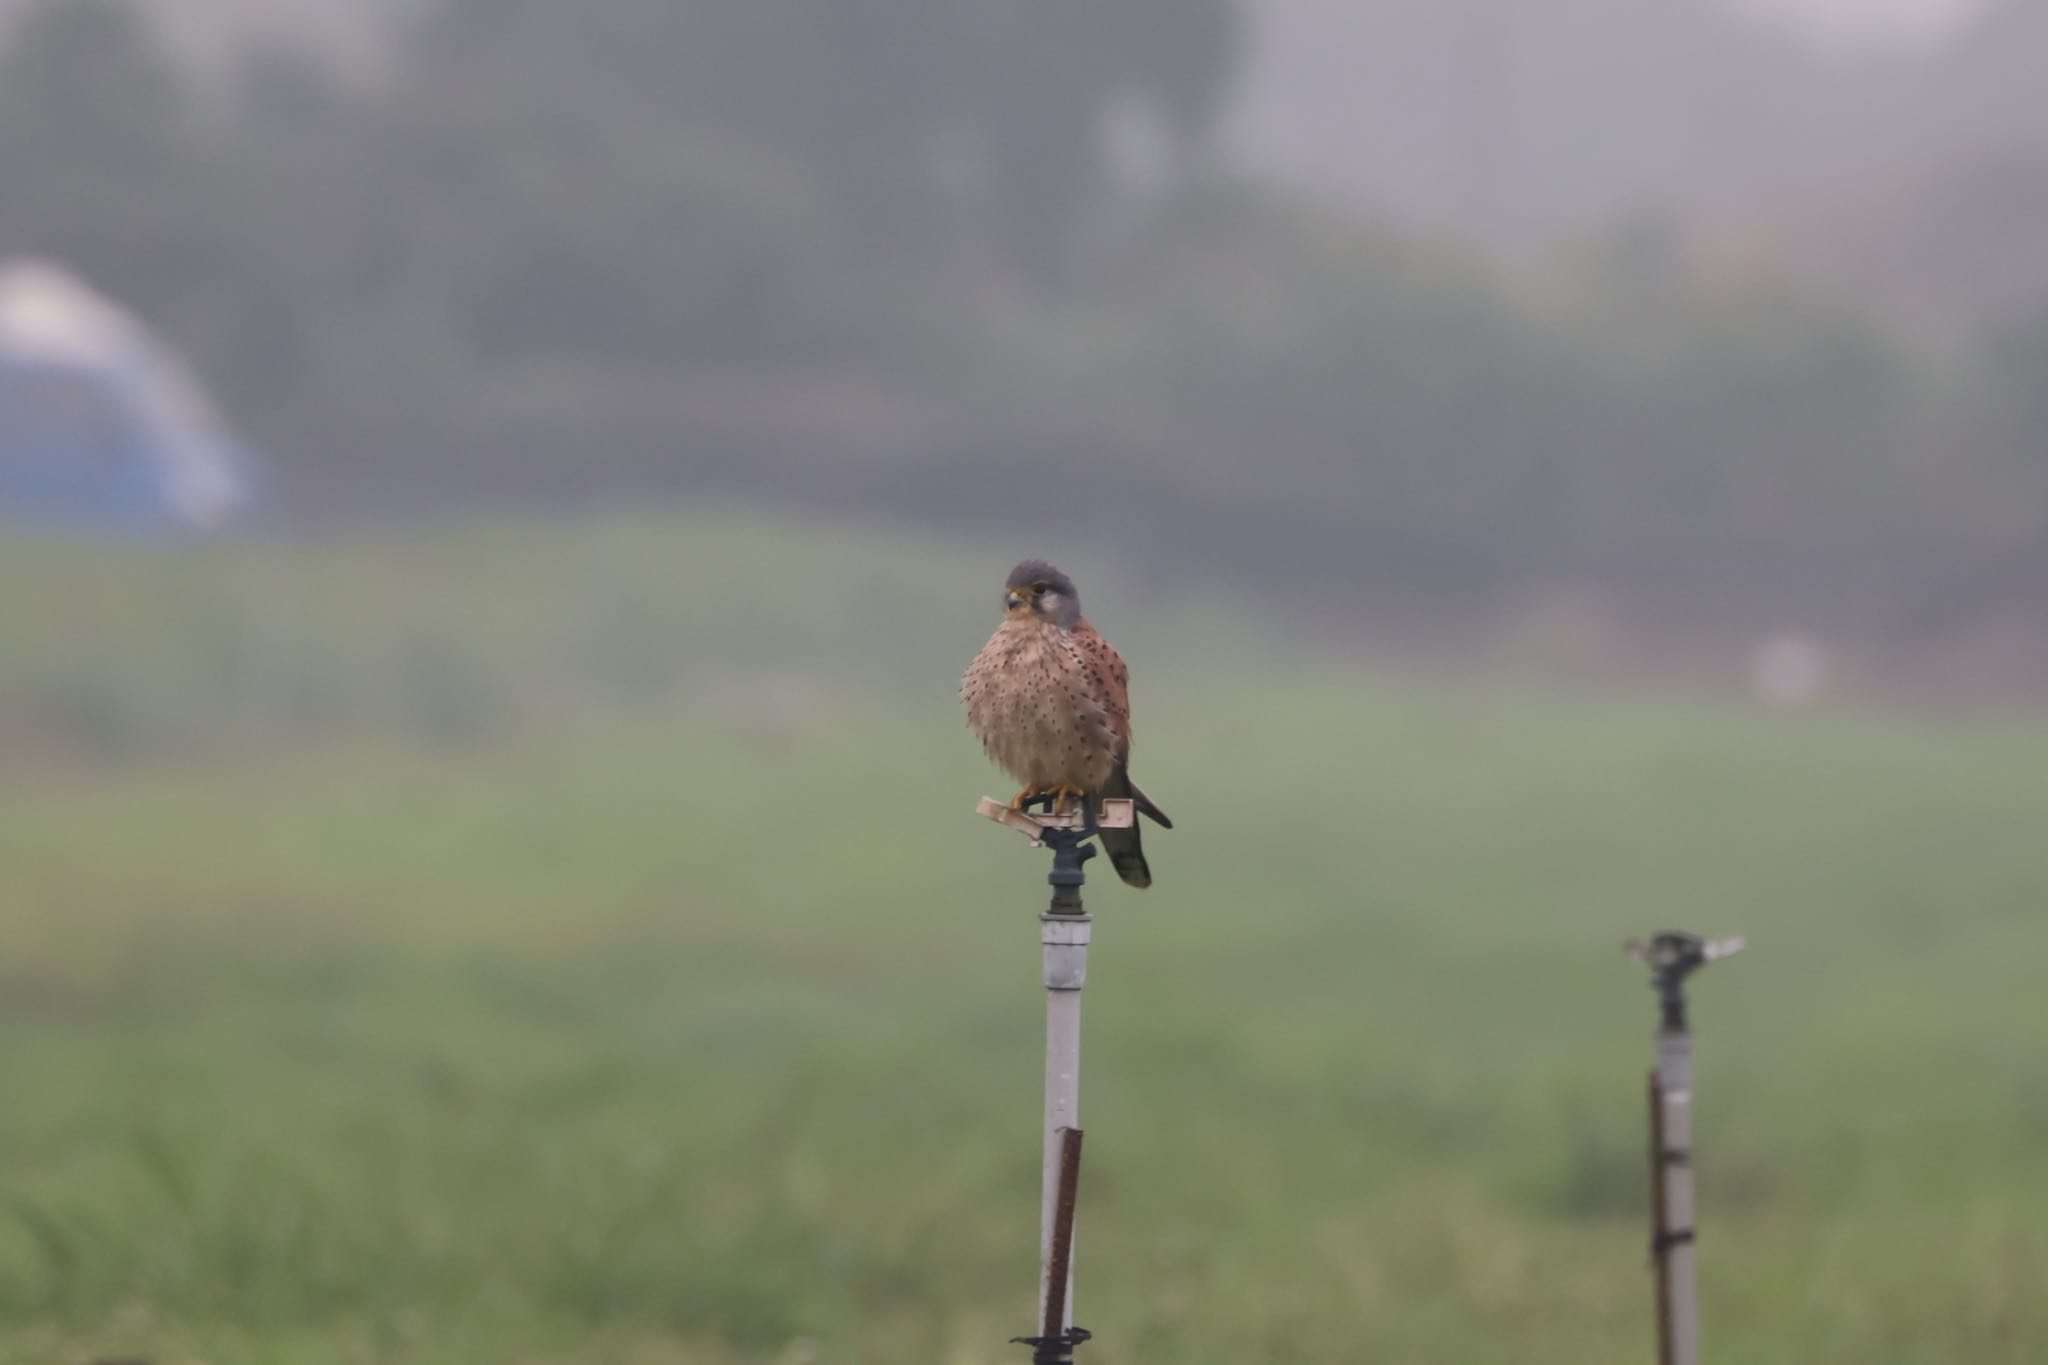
(1014, 600)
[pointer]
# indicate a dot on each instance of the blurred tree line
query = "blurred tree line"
(642, 243)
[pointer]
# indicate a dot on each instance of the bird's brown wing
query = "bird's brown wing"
(1110, 681)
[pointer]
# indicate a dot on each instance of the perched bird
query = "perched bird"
(1049, 700)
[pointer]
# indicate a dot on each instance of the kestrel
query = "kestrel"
(1048, 698)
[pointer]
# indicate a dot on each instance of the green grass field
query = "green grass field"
(630, 982)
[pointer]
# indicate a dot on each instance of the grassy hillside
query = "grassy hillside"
(704, 1028)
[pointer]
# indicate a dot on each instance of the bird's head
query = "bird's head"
(1038, 591)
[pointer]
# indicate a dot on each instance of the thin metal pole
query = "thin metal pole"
(1678, 1280)
(1659, 1221)
(1065, 938)
(1064, 930)
(1671, 958)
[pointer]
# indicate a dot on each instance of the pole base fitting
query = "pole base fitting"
(1052, 1350)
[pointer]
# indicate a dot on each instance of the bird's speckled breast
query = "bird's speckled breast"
(1029, 702)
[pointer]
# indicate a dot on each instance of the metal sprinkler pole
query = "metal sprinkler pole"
(1064, 931)
(1671, 958)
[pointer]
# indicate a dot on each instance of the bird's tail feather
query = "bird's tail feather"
(1145, 804)
(1126, 850)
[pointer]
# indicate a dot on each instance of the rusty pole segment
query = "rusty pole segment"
(1059, 1259)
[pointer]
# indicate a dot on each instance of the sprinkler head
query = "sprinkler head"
(1672, 957)
(1680, 953)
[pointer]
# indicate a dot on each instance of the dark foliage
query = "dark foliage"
(781, 245)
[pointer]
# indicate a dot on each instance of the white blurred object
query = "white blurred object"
(1789, 669)
(60, 338)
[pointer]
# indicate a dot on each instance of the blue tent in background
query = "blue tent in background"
(101, 429)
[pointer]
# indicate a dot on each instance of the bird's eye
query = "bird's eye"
(1040, 589)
